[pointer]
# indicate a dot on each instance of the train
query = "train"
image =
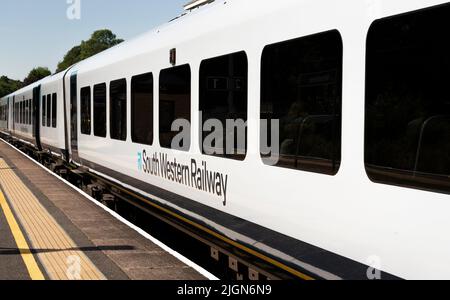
(344, 168)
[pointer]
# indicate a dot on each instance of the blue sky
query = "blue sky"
(38, 32)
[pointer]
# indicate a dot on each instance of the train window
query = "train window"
(54, 109)
(174, 104)
(29, 112)
(49, 110)
(100, 110)
(85, 103)
(407, 134)
(142, 109)
(223, 97)
(301, 91)
(44, 105)
(21, 112)
(118, 109)
(25, 109)
(25, 112)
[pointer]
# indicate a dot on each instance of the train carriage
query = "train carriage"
(360, 177)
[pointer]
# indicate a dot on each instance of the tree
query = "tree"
(36, 74)
(8, 86)
(100, 40)
(71, 58)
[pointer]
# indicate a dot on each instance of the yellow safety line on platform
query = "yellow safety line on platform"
(57, 252)
(22, 245)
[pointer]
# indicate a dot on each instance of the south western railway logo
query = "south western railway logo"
(195, 175)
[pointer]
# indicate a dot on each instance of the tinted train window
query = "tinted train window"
(85, 103)
(28, 111)
(223, 97)
(100, 110)
(54, 110)
(301, 90)
(118, 109)
(407, 100)
(24, 112)
(44, 104)
(49, 110)
(174, 104)
(142, 109)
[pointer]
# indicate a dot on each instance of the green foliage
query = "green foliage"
(100, 40)
(71, 58)
(8, 86)
(36, 74)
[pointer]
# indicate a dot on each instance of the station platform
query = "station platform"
(51, 231)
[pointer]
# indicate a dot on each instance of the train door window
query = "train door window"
(49, 110)
(29, 111)
(26, 111)
(54, 109)
(142, 109)
(44, 105)
(407, 134)
(24, 115)
(85, 103)
(100, 110)
(301, 91)
(21, 111)
(223, 97)
(118, 109)
(175, 104)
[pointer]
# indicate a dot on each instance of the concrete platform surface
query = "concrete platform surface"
(48, 230)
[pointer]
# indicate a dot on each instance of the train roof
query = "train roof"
(29, 87)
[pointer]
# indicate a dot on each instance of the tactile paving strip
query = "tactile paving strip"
(56, 251)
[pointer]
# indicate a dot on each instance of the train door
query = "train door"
(36, 113)
(14, 113)
(7, 114)
(73, 117)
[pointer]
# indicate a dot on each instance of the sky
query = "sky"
(39, 32)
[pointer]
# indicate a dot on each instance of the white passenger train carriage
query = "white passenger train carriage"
(328, 71)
